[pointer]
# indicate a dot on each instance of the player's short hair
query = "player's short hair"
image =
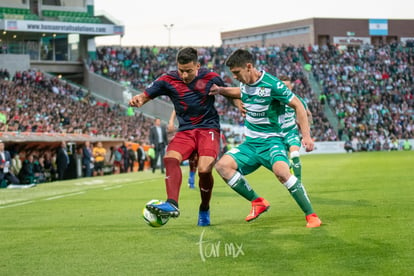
(187, 55)
(284, 78)
(239, 58)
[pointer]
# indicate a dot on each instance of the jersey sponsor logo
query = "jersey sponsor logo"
(256, 114)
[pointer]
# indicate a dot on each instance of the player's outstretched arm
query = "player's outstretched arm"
(231, 92)
(170, 126)
(139, 100)
(240, 106)
(303, 123)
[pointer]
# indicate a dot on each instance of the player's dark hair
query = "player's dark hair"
(239, 58)
(187, 55)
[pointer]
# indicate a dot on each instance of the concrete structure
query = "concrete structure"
(322, 31)
(55, 35)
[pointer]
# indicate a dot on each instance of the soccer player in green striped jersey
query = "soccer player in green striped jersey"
(291, 132)
(264, 99)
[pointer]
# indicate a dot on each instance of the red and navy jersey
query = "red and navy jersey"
(193, 106)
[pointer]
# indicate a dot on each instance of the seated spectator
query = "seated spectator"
(348, 146)
(99, 153)
(5, 168)
(31, 171)
(49, 167)
(406, 145)
(118, 161)
(16, 164)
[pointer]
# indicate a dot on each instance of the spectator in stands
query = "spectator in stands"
(348, 146)
(118, 159)
(406, 145)
(16, 164)
(99, 153)
(49, 166)
(5, 167)
(125, 158)
(141, 156)
(32, 170)
(151, 156)
(158, 138)
(132, 157)
(87, 159)
(110, 158)
(62, 161)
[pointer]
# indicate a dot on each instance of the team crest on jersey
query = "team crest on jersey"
(262, 92)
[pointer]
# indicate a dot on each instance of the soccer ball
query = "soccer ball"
(152, 219)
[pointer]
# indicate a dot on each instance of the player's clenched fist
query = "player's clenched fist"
(139, 100)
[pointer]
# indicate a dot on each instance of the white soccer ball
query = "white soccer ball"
(152, 219)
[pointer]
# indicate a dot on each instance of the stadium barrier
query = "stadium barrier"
(338, 147)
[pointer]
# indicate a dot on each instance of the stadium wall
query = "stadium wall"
(337, 147)
(14, 63)
(116, 93)
(319, 31)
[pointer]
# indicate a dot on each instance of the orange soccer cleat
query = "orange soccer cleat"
(313, 221)
(259, 206)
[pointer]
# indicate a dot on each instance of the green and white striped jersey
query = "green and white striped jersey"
(265, 102)
(290, 117)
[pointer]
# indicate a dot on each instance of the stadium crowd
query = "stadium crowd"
(370, 88)
(133, 67)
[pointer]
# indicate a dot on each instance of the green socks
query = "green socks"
(298, 193)
(296, 165)
(240, 185)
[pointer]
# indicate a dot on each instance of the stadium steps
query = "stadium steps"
(317, 89)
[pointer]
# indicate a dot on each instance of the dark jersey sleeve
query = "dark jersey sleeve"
(193, 106)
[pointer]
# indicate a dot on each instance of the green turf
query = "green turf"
(94, 226)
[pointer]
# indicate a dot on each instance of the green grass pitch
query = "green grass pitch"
(94, 227)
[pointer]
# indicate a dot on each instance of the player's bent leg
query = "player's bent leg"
(296, 164)
(193, 161)
(297, 191)
(173, 177)
(206, 184)
(226, 167)
(259, 206)
(191, 179)
(203, 218)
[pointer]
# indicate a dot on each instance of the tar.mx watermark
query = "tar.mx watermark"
(218, 249)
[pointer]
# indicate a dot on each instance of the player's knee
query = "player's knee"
(221, 166)
(294, 154)
(171, 161)
(281, 171)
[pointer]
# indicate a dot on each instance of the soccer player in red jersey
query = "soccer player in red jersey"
(199, 129)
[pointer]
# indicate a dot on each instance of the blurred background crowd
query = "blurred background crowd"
(368, 91)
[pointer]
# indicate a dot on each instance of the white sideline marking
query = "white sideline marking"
(113, 187)
(82, 183)
(91, 182)
(62, 196)
(17, 204)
